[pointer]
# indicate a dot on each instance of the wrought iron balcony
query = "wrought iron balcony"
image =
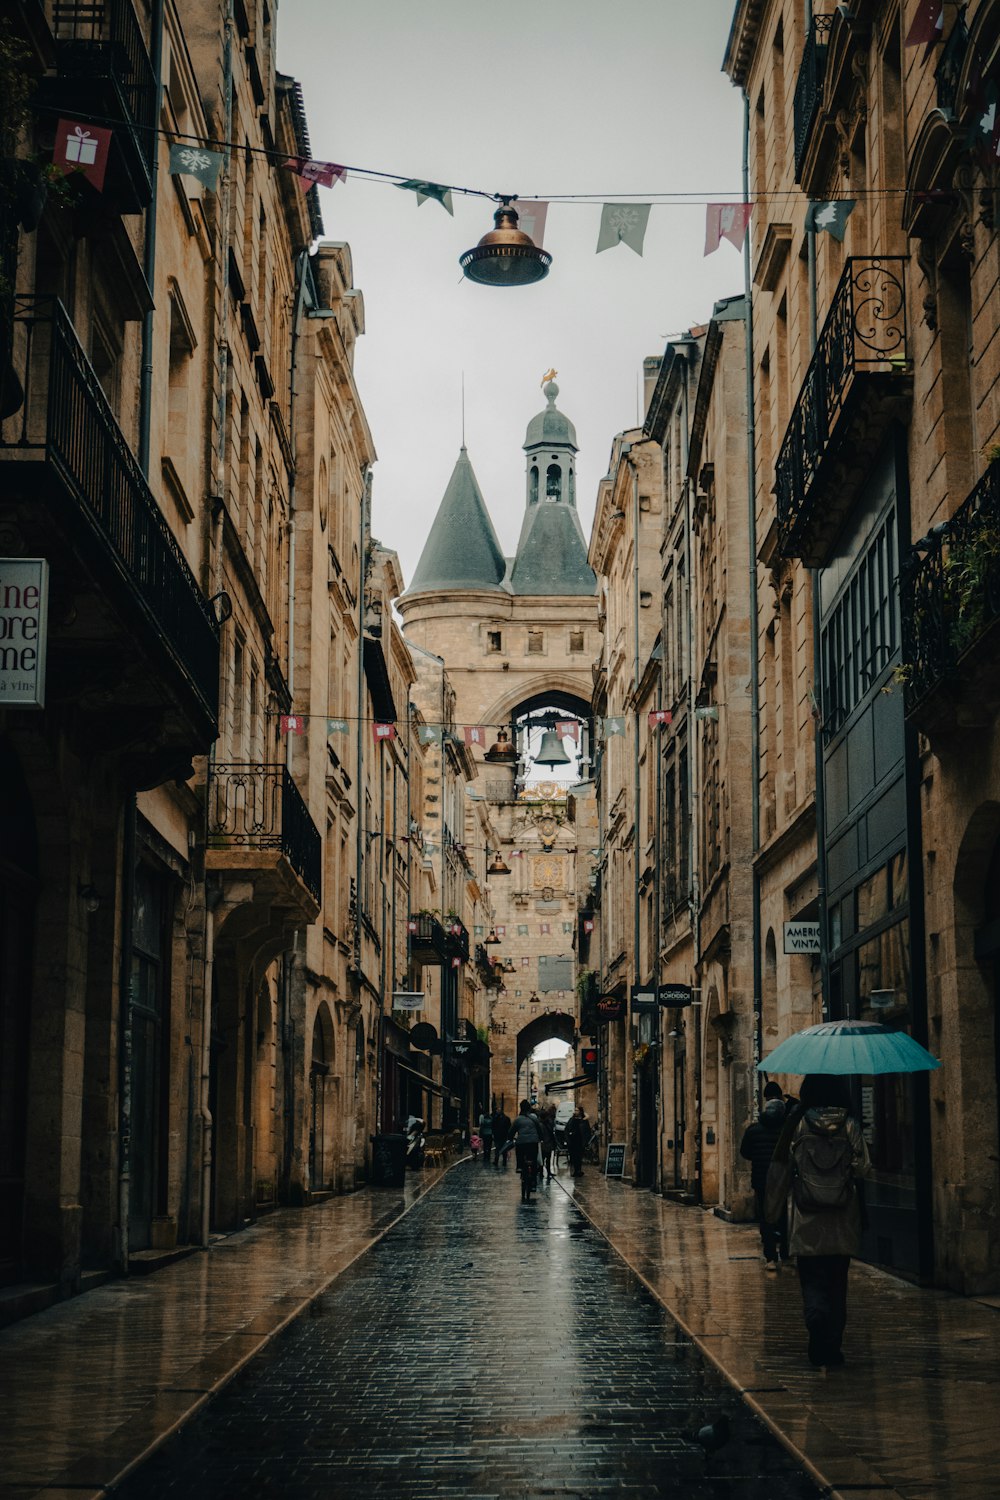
(427, 939)
(104, 73)
(809, 86)
(949, 592)
(256, 807)
(857, 379)
(62, 446)
(457, 936)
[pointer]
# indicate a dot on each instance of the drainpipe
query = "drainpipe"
(212, 898)
(149, 249)
(758, 1003)
(815, 575)
(359, 832)
(125, 1032)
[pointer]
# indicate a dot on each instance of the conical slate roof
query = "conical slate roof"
(461, 550)
(552, 557)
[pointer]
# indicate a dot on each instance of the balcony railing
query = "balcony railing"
(809, 86)
(427, 939)
(457, 937)
(950, 593)
(65, 420)
(863, 346)
(104, 67)
(254, 806)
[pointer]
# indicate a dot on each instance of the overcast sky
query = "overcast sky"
(538, 98)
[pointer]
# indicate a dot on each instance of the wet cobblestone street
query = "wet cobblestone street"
(480, 1349)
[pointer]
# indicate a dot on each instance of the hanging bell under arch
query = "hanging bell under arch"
(550, 751)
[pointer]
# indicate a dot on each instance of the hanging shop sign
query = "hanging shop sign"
(407, 999)
(24, 609)
(675, 995)
(643, 1000)
(801, 937)
(610, 1008)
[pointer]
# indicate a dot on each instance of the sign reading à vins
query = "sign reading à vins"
(24, 601)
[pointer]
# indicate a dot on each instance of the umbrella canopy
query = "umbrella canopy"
(849, 1047)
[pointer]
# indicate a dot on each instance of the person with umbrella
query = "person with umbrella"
(820, 1158)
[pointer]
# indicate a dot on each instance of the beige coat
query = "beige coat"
(831, 1231)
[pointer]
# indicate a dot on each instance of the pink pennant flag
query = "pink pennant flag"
(411, 925)
(928, 23)
(500, 931)
(383, 732)
(291, 724)
(326, 173)
(456, 963)
(84, 149)
(531, 214)
(517, 854)
(475, 734)
(568, 729)
(545, 928)
(660, 716)
(588, 924)
(726, 221)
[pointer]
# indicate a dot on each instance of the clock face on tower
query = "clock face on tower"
(548, 871)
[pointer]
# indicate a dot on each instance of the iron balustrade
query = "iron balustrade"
(427, 937)
(258, 806)
(949, 590)
(809, 86)
(103, 39)
(864, 334)
(66, 418)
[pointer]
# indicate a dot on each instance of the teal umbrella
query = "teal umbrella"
(849, 1047)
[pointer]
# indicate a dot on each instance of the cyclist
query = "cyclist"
(526, 1135)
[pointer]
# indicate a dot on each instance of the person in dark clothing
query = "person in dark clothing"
(757, 1147)
(577, 1137)
(501, 1131)
(527, 1135)
(823, 1238)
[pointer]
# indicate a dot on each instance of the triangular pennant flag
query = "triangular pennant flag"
(517, 854)
(927, 24)
(383, 732)
(660, 716)
(83, 149)
(614, 726)
(568, 729)
(545, 928)
(425, 190)
(195, 161)
(531, 215)
(474, 734)
(291, 724)
(984, 132)
(336, 726)
(831, 216)
(623, 224)
(726, 221)
(429, 734)
(326, 173)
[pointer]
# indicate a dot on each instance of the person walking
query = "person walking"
(577, 1139)
(486, 1135)
(548, 1140)
(501, 1135)
(824, 1149)
(757, 1147)
(526, 1133)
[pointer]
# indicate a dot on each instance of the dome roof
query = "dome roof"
(550, 426)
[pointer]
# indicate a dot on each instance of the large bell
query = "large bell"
(550, 751)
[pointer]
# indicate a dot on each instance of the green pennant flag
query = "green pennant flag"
(614, 726)
(425, 190)
(195, 161)
(831, 216)
(429, 734)
(336, 726)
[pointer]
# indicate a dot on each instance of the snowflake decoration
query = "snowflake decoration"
(195, 161)
(623, 221)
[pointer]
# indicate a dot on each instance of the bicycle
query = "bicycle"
(527, 1166)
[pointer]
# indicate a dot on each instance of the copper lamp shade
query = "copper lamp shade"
(505, 256)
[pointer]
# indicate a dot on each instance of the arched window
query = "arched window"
(553, 482)
(533, 485)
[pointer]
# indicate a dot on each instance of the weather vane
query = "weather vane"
(549, 375)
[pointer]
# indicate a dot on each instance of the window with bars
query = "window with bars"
(860, 636)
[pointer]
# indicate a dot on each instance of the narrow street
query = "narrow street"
(480, 1348)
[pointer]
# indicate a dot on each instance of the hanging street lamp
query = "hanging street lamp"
(506, 256)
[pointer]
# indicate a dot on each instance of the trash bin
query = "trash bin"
(389, 1160)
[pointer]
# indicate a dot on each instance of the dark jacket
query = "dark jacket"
(759, 1141)
(526, 1130)
(501, 1127)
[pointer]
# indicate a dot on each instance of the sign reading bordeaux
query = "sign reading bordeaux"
(24, 600)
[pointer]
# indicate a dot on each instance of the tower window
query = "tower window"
(494, 640)
(536, 642)
(533, 485)
(553, 482)
(576, 640)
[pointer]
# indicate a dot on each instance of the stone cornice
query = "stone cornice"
(742, 44)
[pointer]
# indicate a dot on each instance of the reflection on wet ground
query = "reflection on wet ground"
(482, 1348)
(914, 1410)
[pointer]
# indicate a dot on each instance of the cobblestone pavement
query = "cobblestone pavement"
(480, 1349)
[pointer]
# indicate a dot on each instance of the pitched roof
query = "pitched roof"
(461, 550)
(552, 556)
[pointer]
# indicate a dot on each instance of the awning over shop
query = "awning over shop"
(565, 1084)
(428, 1083)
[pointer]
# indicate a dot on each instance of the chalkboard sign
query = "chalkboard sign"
(615, 1164)
(388, 1160)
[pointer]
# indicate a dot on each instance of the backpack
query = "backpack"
(822, 1179)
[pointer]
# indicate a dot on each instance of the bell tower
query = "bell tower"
(550, 451)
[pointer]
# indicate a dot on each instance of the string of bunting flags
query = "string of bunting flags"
(82, 147)
(471, 734)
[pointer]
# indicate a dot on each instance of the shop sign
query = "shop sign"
(643, 1000)
(407, 999)
(24, 601)
(614, 1165)
(675, 995)
(610, 1008)
(801, 937)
